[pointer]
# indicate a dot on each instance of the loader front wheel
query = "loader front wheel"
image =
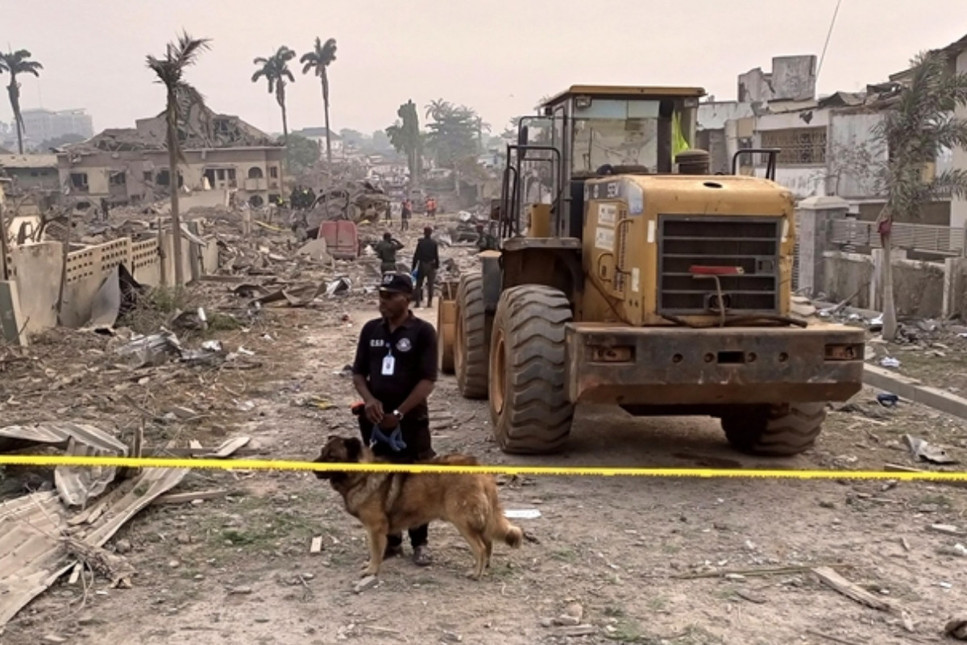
(470, 338)
(775, 430)
(529, 406)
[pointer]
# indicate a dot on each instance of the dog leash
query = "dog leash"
(394, 440)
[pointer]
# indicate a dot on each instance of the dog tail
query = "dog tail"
(502, 529)
(511, 535)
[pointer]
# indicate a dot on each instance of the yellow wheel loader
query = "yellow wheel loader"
(629, 275)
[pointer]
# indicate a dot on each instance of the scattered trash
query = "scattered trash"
(522, 514)
(927, 452)
(887, 399)
(889, 362)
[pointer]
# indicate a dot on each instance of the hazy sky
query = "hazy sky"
(497, 56)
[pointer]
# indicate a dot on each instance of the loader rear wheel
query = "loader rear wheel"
(470, 346)
(529, 406)
(445, 332)
(775, 430)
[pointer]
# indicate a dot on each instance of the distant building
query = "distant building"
(43, 125)
(31, 174)
(319, 136)
(130, 165)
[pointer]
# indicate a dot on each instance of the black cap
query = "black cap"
(396, 283)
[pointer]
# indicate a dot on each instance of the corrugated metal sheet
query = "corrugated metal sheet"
(76, 486)
(32, 554)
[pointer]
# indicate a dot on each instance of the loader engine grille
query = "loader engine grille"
(742, 251)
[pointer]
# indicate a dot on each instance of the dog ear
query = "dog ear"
(354, 448)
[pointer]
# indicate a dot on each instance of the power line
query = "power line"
(829, 34)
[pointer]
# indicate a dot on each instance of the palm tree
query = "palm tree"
(180, 96)
(318, 60)
(275, 69)
(18, 62)
(920, 126)
(438, 109)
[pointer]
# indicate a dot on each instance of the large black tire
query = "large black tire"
(529, 406)
(470, 346)
(776, 430)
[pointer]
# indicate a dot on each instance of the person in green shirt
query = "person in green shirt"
(485, 240)
(386, 252)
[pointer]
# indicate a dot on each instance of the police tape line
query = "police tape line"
(585, 471)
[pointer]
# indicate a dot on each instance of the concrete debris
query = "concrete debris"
(926, 451)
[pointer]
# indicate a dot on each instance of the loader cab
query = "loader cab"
(590, 131)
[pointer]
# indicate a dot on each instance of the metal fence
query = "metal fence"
(924, 238)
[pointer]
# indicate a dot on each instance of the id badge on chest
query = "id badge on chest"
(389, 363)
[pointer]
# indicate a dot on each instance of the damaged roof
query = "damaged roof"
(28, 161)
(202, 129)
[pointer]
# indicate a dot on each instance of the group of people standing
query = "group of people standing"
(406, 211)
(426, 262)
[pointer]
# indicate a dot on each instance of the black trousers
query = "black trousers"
(425, 273)
(416, 436)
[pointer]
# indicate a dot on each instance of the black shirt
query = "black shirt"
(426, 251)
(413, 346)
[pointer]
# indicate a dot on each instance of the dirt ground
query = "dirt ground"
(646, 560)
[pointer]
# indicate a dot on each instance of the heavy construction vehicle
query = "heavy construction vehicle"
(629, 275)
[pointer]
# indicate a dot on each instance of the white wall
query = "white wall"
(820, 118)
(958, 207)
(848, 163)
(803, 182)
(714, 115)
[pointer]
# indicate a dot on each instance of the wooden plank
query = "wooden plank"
(851, 590)
(181, 498)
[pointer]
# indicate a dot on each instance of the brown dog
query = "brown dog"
(393, 502)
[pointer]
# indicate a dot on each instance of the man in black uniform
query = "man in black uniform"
(426, 261)
(394, 372)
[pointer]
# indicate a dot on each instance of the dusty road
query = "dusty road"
(621, 550)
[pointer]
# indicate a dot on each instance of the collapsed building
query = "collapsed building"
(130, 165)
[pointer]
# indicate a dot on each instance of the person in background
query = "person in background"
(485, 240)
(386, 252)
(430, 207)
(426, 261)
(405, 212)
(394, 372)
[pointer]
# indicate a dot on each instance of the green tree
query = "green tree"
(318, 61)
(406, 137)
(454, 132)
(18, 62)
(180, 96)
(920, 126)
(301, 153)
(276, 70)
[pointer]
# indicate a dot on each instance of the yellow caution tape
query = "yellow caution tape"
(593, 471)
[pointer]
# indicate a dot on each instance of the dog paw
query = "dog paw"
(473, 575)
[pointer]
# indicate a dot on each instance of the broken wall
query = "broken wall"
(918, 288)
(846, 274)
(794, 78)
(37, 269)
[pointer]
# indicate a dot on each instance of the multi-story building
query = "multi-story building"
(44, 125)
(130, 165)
